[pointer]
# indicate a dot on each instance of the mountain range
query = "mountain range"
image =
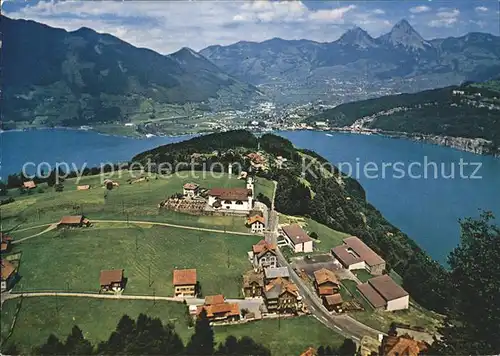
(399, 61)
(51, 76)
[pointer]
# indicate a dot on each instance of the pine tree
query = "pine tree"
(76, 344)
(202, 341)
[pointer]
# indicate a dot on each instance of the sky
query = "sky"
(167, 26)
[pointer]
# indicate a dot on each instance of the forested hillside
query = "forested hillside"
(470, 110)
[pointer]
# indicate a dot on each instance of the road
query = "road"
(342, 324)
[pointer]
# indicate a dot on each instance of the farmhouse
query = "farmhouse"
(271, 274)
(190, 190)
(111, 280)
(29, 185)
(74, 221)
(325, 282)
(8, 275)
(256, 223)
(220, 312)
(402, 345)
(355, 254)
(253, 284)
(297, 238)
(184, 281)
(282, 296)
(263, 255)
(383, 292)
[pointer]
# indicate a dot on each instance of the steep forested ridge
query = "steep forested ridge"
(327, 196)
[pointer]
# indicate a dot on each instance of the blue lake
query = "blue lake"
(427, 209)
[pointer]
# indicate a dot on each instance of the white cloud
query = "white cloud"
(331, 14)
(419, 9)
(444, 22)
(481, 9)
(379, 12)
(448, 13)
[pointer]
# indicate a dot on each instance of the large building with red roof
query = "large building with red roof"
(383, 293)
(355, 254)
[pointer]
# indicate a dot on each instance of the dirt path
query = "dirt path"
(50, 228)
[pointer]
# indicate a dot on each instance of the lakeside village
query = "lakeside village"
(272, 287)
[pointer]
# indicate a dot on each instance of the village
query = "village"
(286, 276)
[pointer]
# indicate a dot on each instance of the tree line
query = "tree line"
(149, 336)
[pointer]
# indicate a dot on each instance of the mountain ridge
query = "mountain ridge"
(70, 78)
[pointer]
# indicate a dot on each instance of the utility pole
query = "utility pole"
(154, 296)
(228, 262)
(149, 275)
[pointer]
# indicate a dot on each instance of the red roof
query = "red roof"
(296, 234)
(255, 218)
(261, 246)
(324, 275)
(326, 290)
(228, 309)
(4, 246)
(70, 220)
(230, 193)
(190, 186)
(387, 288)
(371, 295)
(111, 276)
(334, 299)
(363, 251)
(184, 277)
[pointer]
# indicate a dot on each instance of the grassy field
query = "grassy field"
(363, 275)
(138, 201)
(72, 259)
(264, 186)
(284, 337)
(327, 238)
(38, 317)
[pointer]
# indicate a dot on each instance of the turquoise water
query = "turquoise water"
(427, 209)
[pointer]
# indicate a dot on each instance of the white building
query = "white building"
(256, 223)
(383, 292)
(297, 238)
(190, 190)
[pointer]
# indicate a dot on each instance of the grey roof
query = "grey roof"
(296, 234)
(271, 273)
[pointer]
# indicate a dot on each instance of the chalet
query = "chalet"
(282, 296)
(112, 280)
(253, 284)
(238, 199)
(29, 185)
(74, 221)
(190, 190)
(297, 238)
(184, 281)
(8, 275)
(222, 312)
(271, 274)
(325, 282)
(333, 302)
(256, 223)
(263, 255)
(402, 345)
(257, 161)
(83, 187)
(355, 254)
(383, 293)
